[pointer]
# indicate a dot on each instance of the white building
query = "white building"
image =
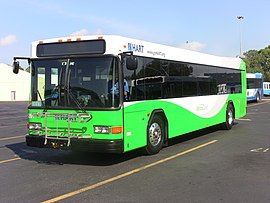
(13, 87)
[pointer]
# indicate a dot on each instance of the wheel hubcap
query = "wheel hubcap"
(230, 117)
(155, 134)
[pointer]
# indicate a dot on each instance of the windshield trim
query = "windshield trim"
(74, 57)
(77, 108)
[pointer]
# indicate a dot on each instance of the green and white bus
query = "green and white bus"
(115, 94)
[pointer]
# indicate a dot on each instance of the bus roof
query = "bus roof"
(117, 44)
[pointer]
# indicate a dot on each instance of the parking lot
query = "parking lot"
(206, 166)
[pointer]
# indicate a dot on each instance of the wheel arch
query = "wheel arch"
(161, 113)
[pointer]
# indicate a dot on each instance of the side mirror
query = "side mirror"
(16, 66)
(131, 63)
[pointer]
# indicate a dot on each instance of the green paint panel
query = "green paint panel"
(57, 123)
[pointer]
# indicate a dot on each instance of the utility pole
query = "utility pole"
(240, 18)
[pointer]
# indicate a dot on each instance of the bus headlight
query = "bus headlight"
(34, 126)
(101, 129)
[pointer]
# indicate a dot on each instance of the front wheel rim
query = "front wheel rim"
(155, 134)
(230, 117)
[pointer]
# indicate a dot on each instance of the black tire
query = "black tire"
(155, 135)
(229, 118)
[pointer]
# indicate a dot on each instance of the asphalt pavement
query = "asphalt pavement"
(205, 166)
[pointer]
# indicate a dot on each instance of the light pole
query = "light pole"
(240, 18)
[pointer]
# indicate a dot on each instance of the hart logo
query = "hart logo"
(135, 47)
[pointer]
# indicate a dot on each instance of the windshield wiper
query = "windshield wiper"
(42, 102)
(76, 101)
(67, 87)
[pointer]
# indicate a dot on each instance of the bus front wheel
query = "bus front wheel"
(229, 118)
(155, 135)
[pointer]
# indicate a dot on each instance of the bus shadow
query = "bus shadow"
(61, 157)
(195, 134)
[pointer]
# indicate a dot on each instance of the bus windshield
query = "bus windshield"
(74, 83)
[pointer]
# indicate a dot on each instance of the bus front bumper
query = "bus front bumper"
(78, 144)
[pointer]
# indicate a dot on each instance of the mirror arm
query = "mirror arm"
(126, 53)
(130, 53)
(16, 65)
(22, 58)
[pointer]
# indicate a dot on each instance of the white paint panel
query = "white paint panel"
(204, 106)
(117, 44)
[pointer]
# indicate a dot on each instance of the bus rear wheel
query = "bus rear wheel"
(258, 97)
(155, 135)
(229, 118)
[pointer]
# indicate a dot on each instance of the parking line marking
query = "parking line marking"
(70, 194)
(9, 138)
(243, 119)
(5, 118)
(263, 102)
(9, 160)
(6, 126)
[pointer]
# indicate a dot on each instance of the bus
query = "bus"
(115, 94)
(254, 86)
(266, 88)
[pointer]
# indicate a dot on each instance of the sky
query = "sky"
(208, 26)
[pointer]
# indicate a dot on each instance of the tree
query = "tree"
(258, 61)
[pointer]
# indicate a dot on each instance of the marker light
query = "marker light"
(117, 130)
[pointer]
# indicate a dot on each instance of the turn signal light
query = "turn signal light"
(117, 130)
